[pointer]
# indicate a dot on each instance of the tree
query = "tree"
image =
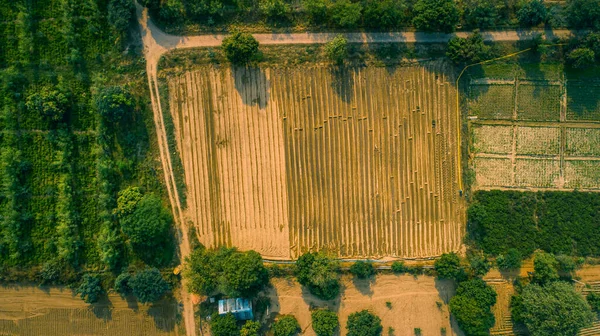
(48, 102)
(250, 328)
(201, 9)
(580, 58)
(436, 15)
(545, 268)
(90, 288)
(385, 13)
(128, 200)
(201, 269)
(224, 325)
(345, 13)
(113, 103)
(324, 322)
(448, 267)
(480, 265)
(584, 13)
(337, 49)
(148, 285)
(472, 307)
(286, 326)
(532, 13)
(566, 263)
(483, 13)
(398, 267)
(593, 299)
(148, 224)
(553, 309)
(120, 14)
(509, 261)
(275, 9)
(122, 284)
(316, 9)
(319, 273)
(363, 323)
(240, 47)
(467, 50)
(362, 269)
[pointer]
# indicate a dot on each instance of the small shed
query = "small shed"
(240, 308)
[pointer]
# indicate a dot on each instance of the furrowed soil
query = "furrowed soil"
(359, 161)
(413, 303)
(52, 311)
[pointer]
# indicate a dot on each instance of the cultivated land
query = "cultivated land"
(413, 303)
(358, 161)
(535, 134)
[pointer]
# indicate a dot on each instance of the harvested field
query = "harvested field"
(359, 161)
(582, 174)
(492, 101)
(492, 139)
(535, 172)
(413, 303)
(539, 101)
(538, 140)
(582, 142)
(493, 172)
(33, 311)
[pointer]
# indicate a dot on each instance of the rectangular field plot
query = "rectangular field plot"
(538, 140)
(583, 101)
(582, 174)
(538, 102)
(582, 142)
(540, 173)
(492, 139)
(358, 161)
(495, 101)
(493, 172)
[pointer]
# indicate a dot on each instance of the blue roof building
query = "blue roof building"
(240, 308)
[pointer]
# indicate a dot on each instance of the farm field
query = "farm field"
(413, 303)
(358, 161)
(51, 311)
(544, 137)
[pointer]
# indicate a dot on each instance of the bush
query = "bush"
(580, 58)
(472, 307)
(467, 50)
(532, 13)
(363, 323)
(113, 103)
(48, 102)
(205, 9)
(319, 273)
(509, 261)
(120, 14)
(316, 9)
(275, 9)
(148, 224)
(324, 322)
(286, 326)
(90, 288)
(224, 325)
(362, 269)
(128, 200)
(240, 47)
(345, 13)
(250, 328)
(436, 15)
(483, 13)
(566, 264)
(480, 265)
(337, 49)
(545, 268)
(593, 299)
(148, 285)
(398, 267)
(122, 284)
(554, 309)
(448, 267)
(385, 13)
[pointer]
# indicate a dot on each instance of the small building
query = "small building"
(240, 308)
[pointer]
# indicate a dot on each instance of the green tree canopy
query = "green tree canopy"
(362, 269)
(509, 260)
(584, 13)
(122, 284)
(128, 200)
(545, 268)
(90, 288)
(49, 102)
(593, 299)
(113, 103)
(448, 267)
(385, 13)
(467, 50)
(472, 307)
(148, 285)
(275, 9)
(250, 328)
(319, 273)
(286, 326)
(120, 14)
(324, 322)
(148, 224)
(224, 325)
(554, 309)
(240, 47)
(363, 323)
(483, 13)
(345, 13)
(337, 49)
(580, 58)
(532, 13)
(201, 9)
(316, 9)
(479, 264)
(436, 15)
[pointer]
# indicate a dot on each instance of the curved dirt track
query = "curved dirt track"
(156, 43)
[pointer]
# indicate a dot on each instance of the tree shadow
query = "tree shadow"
(446, 289)
(132, 302)
(364, 285)
(252, 85)
(343, 81)
(103, 308)
(165, 313)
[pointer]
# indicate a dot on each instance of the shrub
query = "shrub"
(580, 58)
(205, 8)
(113, 103)
(566, 264)
(224, 325)
(345, 13)
(286, 326)
(509, 261)
(50, 271)
(90, 288)
(275, 9)
(250, 328)
(532, 13)
(553, 309)
(337, 49)
(472, 307)
(363, 323)
(148, 285)
(584, 13)
(128, 200)
(483, 13)
(480, 265)
(385, 13)
(467, 50)
(545, 268)
(362, 269)
(448, 267)
(593, 299)
(122, 284)
(324, 322)
(240, 47)
(48, 102)
(316, 9)
(435, 15)
(120, 14)
(148, 224)
(398, 267)
(319, 273)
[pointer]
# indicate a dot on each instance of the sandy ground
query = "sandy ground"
(28, 310)
(413, 303)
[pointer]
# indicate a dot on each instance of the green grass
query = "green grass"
(492, 101)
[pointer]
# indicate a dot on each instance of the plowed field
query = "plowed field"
(359, 161)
